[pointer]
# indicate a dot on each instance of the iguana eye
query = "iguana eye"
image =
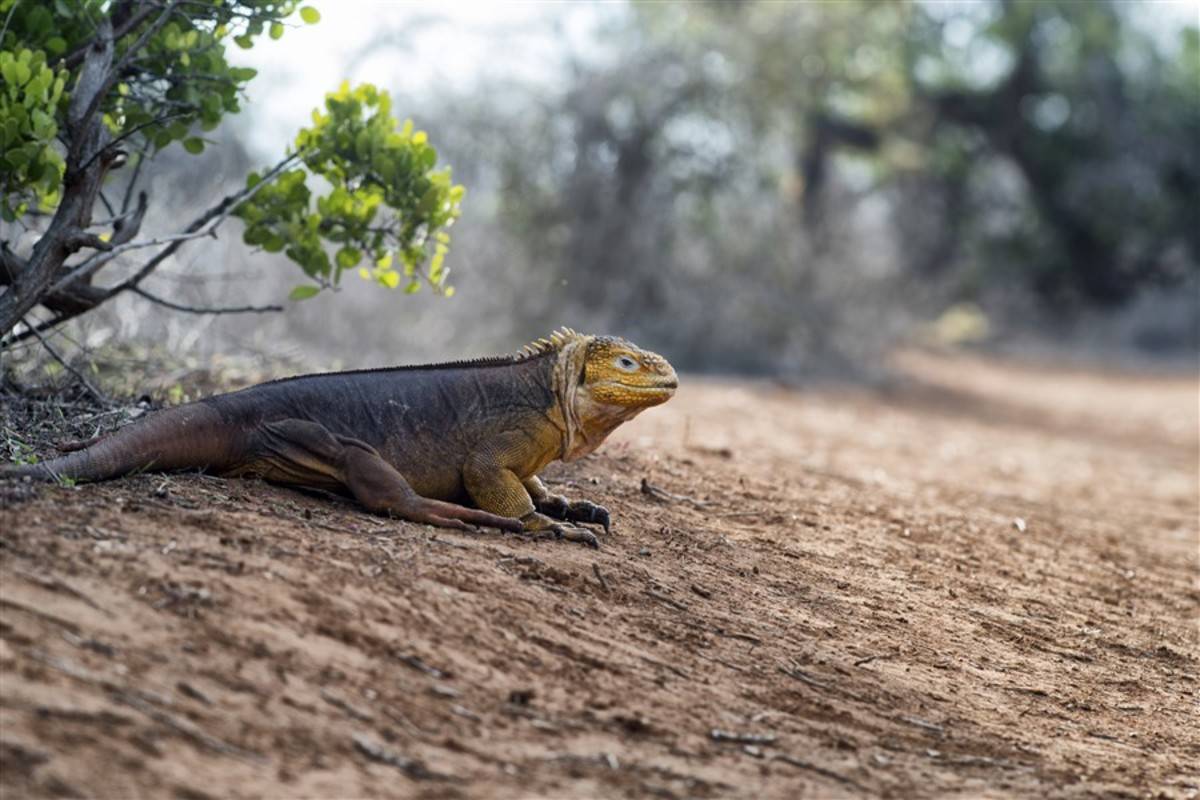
(625, 363)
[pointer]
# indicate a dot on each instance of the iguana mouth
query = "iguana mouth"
(612, 392)
(660, 388)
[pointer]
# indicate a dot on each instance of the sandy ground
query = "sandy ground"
(982, 583)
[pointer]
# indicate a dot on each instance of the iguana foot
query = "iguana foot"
(540, 523)
(557, 506)
(451, 515)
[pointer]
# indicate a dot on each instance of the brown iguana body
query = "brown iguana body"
(420, 443)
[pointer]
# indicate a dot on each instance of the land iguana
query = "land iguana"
(422, 443)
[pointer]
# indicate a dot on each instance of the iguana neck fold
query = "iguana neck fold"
(568, 369)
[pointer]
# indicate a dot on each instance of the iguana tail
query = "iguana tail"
(190, 436)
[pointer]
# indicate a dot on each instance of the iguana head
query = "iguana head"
(618, 373)
(602, 381)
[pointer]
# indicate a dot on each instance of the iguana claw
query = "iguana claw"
(559, 507)
(574, 533)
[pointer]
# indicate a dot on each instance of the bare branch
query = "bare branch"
(114, 73)
(127, 226)
(197, 310)
(204, 225)
(11, 265)
(137, 128)
(92, 390)
(87, 135)
(8, 18)
(74, 58)
(77, 240)
(217, 214)
(133, 179)
(32, 331)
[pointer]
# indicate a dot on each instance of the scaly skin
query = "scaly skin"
(445, 444)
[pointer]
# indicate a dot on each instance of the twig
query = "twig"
(8, 18)
(203, 225)
(599, 577)
(662, 494)
(719, 735)
(133, 179)
(92, 390)
(804, 677)
(193, 692)
(129, 133)
(828, 773)
(860, 662)
(337, 702)
(433, 539)
(114, 74)
(195, 310)
(745, 637)
(409, 766)
(419, 665)
(662, 598)
(72, 59)
(920, 723)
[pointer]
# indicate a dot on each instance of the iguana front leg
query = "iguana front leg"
(559, 507)
(495, 488)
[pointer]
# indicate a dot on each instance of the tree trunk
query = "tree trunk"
(87, 163)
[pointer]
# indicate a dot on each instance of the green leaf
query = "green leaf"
(304, 291)
(56, 45)
(194, 145)
(276, 30)
(310, 15)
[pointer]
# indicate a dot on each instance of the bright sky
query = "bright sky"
(417, 44)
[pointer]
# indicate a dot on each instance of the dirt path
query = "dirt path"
(983, 584)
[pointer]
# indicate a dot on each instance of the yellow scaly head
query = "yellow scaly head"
(619, 373)
(601, 382)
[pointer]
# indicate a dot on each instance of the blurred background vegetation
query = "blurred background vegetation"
(754, 187)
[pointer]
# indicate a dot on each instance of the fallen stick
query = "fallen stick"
(662, 494)
(409, 766)
(804, 677)
(920, 723)
(353, 711)
(600, 577)
(662, 598)
(745, 637)
(719, 735)
(828, 773)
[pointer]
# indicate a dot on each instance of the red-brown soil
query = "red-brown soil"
(984, 583)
